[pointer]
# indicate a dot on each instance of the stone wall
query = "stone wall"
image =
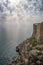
(38, 31)
(34, 30)
(41, 32)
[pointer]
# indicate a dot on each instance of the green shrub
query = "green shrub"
(32, 41)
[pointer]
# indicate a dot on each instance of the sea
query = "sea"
(10, 37)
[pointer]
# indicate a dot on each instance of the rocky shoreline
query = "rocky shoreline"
(29, 54)
(31, 50)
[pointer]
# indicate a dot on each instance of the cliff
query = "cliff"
(31, 50)
(38, 32)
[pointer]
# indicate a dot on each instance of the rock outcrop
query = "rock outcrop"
(38, 31)
(31, 50)
(29, 55)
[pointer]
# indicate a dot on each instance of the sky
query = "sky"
(17, 11)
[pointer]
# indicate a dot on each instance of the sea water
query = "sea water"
(10, 37)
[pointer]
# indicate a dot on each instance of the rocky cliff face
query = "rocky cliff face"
(38, 32)
(29, 54)
(30, 51)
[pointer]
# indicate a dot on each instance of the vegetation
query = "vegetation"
(33, 41)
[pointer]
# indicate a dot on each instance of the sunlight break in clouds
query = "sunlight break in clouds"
(21, 10)
(14, 2)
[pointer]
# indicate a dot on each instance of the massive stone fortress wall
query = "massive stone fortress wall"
(38, 31)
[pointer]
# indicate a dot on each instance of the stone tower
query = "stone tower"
(38, 31)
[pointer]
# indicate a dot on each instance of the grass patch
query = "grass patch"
(33, 41)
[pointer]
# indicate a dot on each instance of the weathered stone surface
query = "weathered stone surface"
(38, 32)
(36, 56)
(28, 54)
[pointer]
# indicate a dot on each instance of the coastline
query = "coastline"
(28, 54)
(31, 50)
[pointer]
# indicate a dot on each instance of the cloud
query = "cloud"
(33, 6)
(20, 10)
(1, 7)
(29, 8)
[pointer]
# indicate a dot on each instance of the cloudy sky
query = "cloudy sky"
(21, 10)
